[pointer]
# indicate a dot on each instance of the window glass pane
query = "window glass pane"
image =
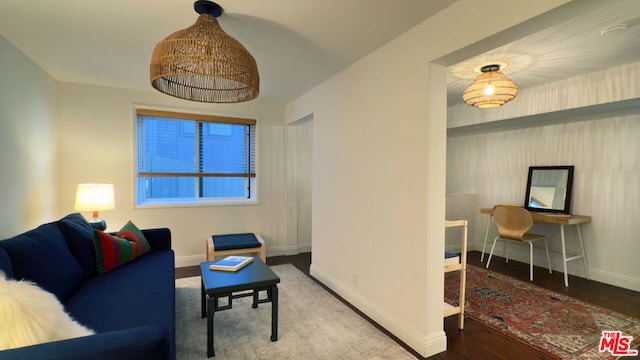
(166, 145)
(223, 148)
(150, 188)
(220, 187)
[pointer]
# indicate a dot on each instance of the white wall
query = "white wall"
(379, 171)
(96, 136)
(28, 156)
(604, 149)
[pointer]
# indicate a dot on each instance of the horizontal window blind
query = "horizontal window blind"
(174, 145)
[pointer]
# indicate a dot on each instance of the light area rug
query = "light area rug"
(312, 324)
(556, 324)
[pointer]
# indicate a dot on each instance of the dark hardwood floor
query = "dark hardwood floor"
(477, 341)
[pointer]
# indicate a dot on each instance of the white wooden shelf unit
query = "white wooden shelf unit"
(462, 267)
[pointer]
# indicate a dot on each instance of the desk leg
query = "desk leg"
(486, 234)
(274, 313)
(584, 254)
(564, 257)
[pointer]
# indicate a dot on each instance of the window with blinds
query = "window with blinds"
(187, 158)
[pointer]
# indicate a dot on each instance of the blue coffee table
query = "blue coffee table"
(216, 284)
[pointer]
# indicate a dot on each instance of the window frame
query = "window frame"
(198, 177)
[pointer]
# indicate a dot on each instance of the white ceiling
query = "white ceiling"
(299, 43)
(569, 48)
(296, 43)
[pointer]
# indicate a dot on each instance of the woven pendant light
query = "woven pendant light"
(491, 89)
(203, 63)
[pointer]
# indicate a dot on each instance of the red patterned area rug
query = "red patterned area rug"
(553, 323)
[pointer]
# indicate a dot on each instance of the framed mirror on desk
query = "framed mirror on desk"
(549, 189)
(548, 198)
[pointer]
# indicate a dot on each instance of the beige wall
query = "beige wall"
(97, 145)
(379, 171)
(28, 143)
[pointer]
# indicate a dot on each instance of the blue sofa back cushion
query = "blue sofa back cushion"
(42, 255)
(5, 264)
(79, 235)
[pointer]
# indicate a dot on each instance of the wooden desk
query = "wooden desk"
(563, 221)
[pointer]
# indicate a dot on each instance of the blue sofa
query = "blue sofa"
(131, 308)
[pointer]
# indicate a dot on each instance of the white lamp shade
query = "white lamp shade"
(95, 197)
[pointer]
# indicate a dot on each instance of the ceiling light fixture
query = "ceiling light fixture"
(490, 89)
(203, 63)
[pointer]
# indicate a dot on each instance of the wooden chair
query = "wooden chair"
(513, 223)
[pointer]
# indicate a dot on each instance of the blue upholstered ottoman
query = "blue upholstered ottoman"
(235, 244)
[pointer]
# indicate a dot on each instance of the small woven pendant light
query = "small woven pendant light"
(203, 63)
(491, 89)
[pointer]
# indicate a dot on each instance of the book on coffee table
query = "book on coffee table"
(231, 263)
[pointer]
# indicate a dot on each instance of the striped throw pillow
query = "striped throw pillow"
(113, 251)
(131, 232)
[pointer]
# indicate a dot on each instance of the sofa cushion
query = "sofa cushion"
(139, 293)
(5, 264)
(42, 256)
(79, 234)
(113, 251)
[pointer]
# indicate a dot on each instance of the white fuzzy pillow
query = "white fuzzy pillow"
(30, 315)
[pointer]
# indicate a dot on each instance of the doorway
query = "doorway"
(299, 176)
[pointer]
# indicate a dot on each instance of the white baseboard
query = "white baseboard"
(427, 346)
(282, 250)
(626, 282)
(434, 344)
(304, 248)
(193, 260)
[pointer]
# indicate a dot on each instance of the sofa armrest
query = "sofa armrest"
(146, 342)
(159, 239)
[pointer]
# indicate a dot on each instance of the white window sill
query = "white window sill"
(169, 203)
